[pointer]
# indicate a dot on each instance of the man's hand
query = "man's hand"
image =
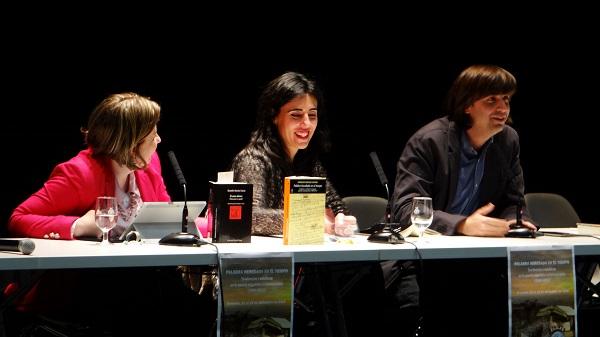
(479, 224)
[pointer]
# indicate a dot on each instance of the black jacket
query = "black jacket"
(430, 164)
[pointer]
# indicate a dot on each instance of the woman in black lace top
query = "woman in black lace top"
(290, 133)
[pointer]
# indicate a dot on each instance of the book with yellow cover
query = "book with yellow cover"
(303, 210)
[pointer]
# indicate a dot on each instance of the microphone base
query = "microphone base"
(181, 239)
(387, 235)
(522, 232)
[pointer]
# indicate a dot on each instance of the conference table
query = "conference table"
(61, 254)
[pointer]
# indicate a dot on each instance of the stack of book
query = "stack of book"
(588, 228)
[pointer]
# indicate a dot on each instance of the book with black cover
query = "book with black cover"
(230, 205)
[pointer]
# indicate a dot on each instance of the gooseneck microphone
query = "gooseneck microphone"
(24, 246)
(517, 229)
(182, 238)
(519, 214)
(386, 232)
(176, 168)
(384, 182)
(181, 178)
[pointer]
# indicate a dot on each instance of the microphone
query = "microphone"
(379, 169)
(386, 232)
(384, 182)
(182, 238)
(24, 246)
(517, 230)
(176, 168)
(519, 214)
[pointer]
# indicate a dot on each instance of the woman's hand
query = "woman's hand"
(329, 221)
(340, 224)
(345, 225)
(86, 226)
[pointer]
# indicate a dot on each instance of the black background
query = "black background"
(381, 83)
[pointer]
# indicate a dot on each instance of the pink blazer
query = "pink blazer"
(71, 191)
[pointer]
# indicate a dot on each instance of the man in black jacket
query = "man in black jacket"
(468, 163)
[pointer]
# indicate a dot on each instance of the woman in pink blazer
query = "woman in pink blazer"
(120, 161)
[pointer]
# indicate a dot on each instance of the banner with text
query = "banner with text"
(257, 294)
(541, 290)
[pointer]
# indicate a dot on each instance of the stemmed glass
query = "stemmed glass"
(106, 216)
(421, 214)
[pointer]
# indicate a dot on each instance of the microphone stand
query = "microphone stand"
(390, 231)
(184, 215)
(517, 229)
(182, 238)
(384, 233)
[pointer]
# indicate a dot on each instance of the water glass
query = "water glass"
(106, 216)
(421, 214)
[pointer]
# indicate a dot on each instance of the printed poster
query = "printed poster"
(257, 294)
(541, 289)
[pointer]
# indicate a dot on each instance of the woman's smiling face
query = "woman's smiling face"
(296, 123)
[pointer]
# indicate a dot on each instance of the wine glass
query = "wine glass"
(421, 214)
(106, 216)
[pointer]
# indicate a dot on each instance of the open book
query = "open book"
(408, 231)
(413, 231)
(157, 219)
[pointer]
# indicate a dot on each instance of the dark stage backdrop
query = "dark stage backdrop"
(374, 101)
